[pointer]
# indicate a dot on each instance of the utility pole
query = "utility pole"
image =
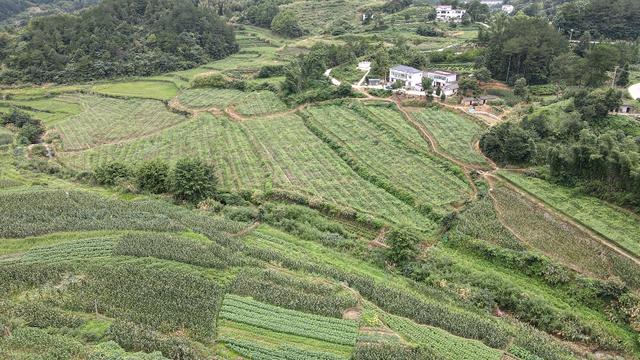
(570, 35)
(615, 72)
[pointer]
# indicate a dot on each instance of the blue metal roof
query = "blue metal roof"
(406, 69)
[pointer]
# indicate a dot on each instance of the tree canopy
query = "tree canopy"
(117, 38)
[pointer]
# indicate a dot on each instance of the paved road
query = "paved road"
(634, 90)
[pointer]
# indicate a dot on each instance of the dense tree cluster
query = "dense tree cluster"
(521, 47)
(191, 180)
(12, 9)
(583, 146)
(116, 38)
(29, 129)
(613, 19)
(261, 13)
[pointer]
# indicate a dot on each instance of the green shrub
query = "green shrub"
(112, 351)
(153, 176)
(193, 180)
(268, 71)
(139, 338)
(112, 173)
(6, 139)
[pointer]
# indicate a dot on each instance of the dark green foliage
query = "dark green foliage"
(38, 344)
(390, 351)
(393, 6)
(193, 180)
(508, 143)
(173, 247)
(134, 337)
(279, 289)
(153, 176)
(520, 87)
(112, 173)
(118, 38)
(41, 315)
(614, 19)
(261, 13)
(429, 31)
(286, 24)
(403, 242)
(595, 106)
(29, 129)
(521, 46)
(623, 76)
(268, 71)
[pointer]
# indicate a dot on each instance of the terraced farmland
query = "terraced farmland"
(455, 134)
(560, 240)
(217, 139)
(159, 90)
(377, 152)
(617, 225)
(300, 161)
(107, 120)
(264, 331)
(443, 344)
(250, 104)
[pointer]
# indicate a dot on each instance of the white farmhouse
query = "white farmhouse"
(410, 77)
(445, 80)
(449, 14)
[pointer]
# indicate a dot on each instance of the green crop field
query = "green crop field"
(107, 120)
(376, 149)
(442, 343)
(249, 104)
(299, 160)
(561, 240)
(158, 90)
(217, 139)
(618, 226)
(455, 134)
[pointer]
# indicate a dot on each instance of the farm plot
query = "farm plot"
(251, 327)
(77, 250)
(251, 103)
(443, 344)
(617, 225)
(216, 139)
(313, 14)
(378, 152)
(300, 161)
(561, 240)
(208, 98)
(455, 134)
(159, 90)
(48, 110)
(107, 120)
(260, 102)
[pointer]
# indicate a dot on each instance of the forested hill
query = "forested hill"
(115, 38)
(18, 11)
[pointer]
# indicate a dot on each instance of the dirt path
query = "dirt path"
(247, 230)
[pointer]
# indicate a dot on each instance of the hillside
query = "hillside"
(20, 11)
(252, 206)
(116, 38)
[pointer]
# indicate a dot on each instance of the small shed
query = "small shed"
(626, 109)
(374, 82)
(479, 100)
(364, 66)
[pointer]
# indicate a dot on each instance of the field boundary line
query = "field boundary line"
(594, 234)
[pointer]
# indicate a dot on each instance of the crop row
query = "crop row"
(379, 152)
(247, 311)
(218, 140)
(441, 342)
(300, 161)
(81, 250)
(173, 247)
(454, 133)
(249, 103)
(617, 225)
(256, 352)
(281, 290)
(154, 293)
(105, 120)
(561, 240)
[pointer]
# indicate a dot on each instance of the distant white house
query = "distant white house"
(491, 3)
(507, 9)
(449, 14)
(410, 77)
(445, 80)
